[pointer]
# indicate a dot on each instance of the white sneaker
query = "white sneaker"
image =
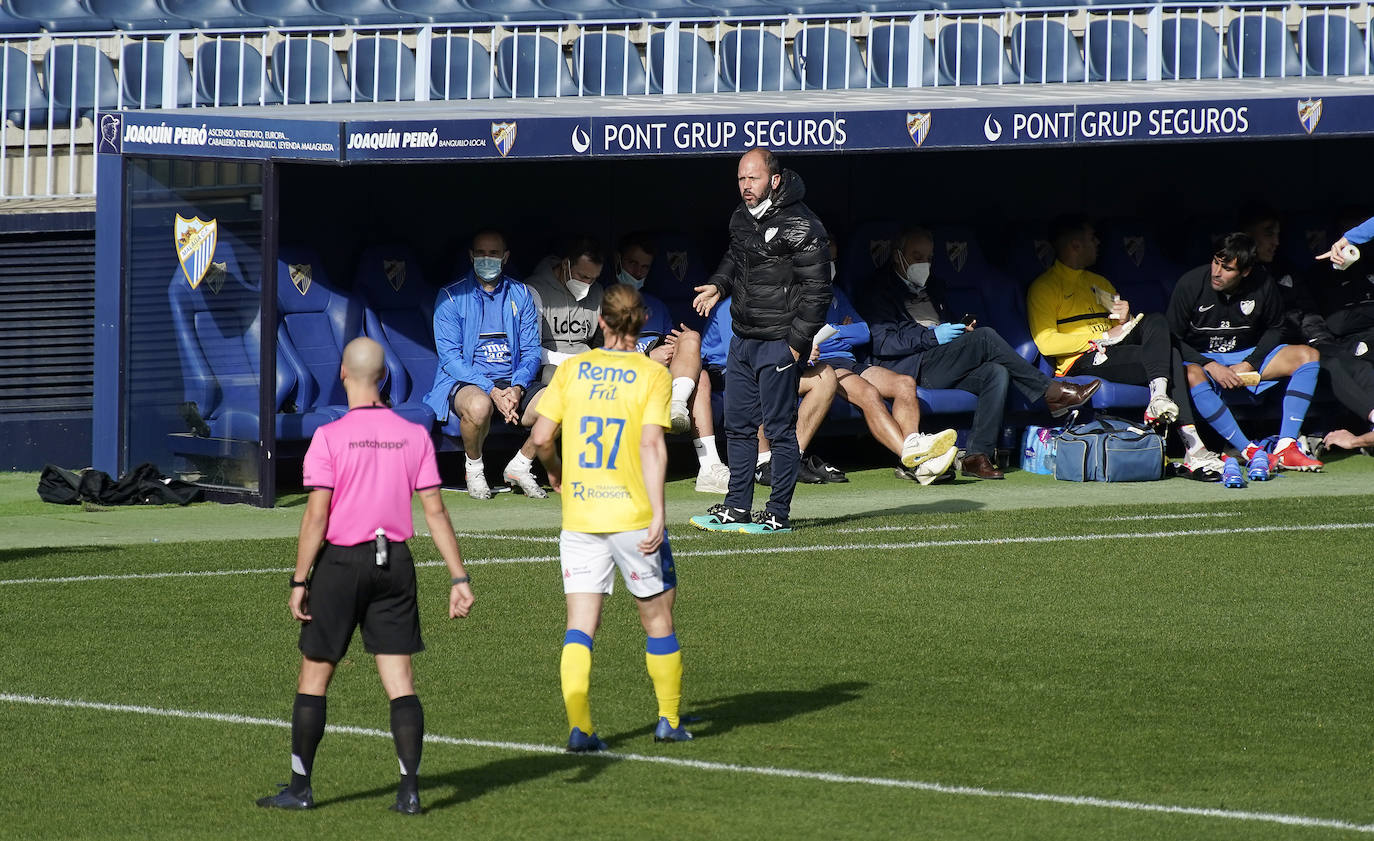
(1204, 460)
(918, 447)
(680, 417)
(933, 468)
(713, 479)
(477, 486)
(1161, 410)
(525, 481)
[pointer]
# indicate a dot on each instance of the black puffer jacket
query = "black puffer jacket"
(777, 270)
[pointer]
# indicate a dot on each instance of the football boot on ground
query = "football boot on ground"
(1257, 467)
(478, 487)
(1293, 458)
(665, 732)
(579, 742)
(763, 474)
(1251, 450)
(407, 803)
(287, 799)
(721, 517)
(828, 472)
(524, 481)
(918, 447)
(1231, 476)
(713, 479)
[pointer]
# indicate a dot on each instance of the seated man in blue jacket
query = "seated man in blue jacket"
(913, 335)
(487, 335)
(923, 457)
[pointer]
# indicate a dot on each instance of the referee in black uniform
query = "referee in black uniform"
(362, 471)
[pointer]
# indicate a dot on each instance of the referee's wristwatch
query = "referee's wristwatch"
(295, 583)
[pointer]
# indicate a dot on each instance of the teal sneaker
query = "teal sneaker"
(766, 523)
(721, 517)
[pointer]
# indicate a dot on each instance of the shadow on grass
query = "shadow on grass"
(941, 506)
(9, 556)
(718, 716)
(453, 788)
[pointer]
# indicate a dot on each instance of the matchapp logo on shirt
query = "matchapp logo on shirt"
(603, 399)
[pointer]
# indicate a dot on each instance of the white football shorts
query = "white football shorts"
(589, 562)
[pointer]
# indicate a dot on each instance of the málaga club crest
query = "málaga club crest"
(195, 243)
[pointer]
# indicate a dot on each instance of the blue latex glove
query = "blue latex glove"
(946, 333)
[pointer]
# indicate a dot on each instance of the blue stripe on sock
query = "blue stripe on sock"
(1298, 398)
(576, 637)
(662, 645)
(1209, 404)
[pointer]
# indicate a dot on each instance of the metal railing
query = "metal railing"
(53, 83)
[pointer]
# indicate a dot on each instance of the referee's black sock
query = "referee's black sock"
(408, 730)
(307, 728)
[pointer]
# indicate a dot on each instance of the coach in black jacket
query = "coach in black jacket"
(777, 270)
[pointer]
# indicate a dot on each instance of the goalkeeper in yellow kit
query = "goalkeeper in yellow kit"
(612, 403)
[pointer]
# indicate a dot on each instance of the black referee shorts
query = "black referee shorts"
(348, 590)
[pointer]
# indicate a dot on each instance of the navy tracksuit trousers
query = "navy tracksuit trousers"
(761, 380)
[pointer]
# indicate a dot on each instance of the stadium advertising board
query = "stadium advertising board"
(168, 134)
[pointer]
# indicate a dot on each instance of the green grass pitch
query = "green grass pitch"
(952, 667)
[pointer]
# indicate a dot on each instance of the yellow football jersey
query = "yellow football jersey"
(603, 398)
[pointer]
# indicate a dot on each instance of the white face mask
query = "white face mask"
(487, 268)
(630, 280)
(761, 208)
(916, 276)
(578, 288)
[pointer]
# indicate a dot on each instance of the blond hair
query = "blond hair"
(623, 310)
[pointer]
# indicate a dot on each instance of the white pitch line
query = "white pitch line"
(1192, 515)
(759, 550)
(728, 767)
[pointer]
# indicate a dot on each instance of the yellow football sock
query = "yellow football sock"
(663, 659)
(575, 671)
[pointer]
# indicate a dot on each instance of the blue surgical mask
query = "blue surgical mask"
(487, 268)
(629, 279)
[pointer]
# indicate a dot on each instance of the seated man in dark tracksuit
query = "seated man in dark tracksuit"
(913, 335)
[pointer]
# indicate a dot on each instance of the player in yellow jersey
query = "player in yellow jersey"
(612, 403)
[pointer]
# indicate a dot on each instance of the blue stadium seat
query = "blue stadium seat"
(696, 64)
(461, 68)
(1335, 46)
(316, 320)
(438, 11)
(1117, 51)
(290, 13)
(1046, 51)
(829, 59)
(533, 65)
(60, 15)
(972, 54)
(889, 51)
(140, 73)
(1130, 258)
(217, 331)
(212, 14)
(1260, 45)
(308, 70)
(80, 77)
(730, 8)
(838, 8)
(140, 15)
(398, 312)
(26, 103)
(607, 64)
(665, 8)
(514, 10)
(382, 69)
(230, 72)
(364, 12)
(756, 59)
(12, 24)
(1193, 50)
(589, 9)
(866, 252)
